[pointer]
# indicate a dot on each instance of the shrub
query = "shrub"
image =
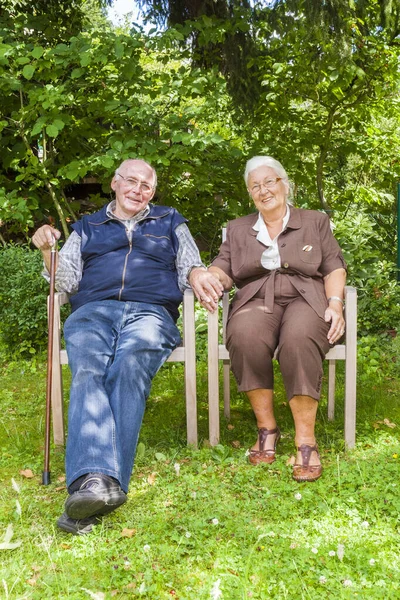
(23, 291)
(372, 271)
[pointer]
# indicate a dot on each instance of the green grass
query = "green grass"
(219, 528)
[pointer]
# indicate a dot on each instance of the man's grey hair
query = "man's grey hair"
(272, 163)
(145, 161)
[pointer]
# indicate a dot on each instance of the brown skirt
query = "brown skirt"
(293, 329)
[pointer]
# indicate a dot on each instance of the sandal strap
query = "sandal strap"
(306, 452)
(263, 433)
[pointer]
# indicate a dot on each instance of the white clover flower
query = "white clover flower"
(314, 550)
(322, 579)
(298, 496)
(365, 524)
(146, 548)
(347, 583)
(214, 521)
(216, 592)
(372, 561)
(193, 495)
(340, 551)
(272, 534)
(177, 468)
(332, 553)
(188, 534)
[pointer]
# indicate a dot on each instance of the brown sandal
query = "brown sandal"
(307, 472)
(264, 456)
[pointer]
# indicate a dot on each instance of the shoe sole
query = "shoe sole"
(73, 528)
(310, 478)
(84, 504)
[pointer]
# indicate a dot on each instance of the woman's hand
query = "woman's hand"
(334, 314)
(207, 287)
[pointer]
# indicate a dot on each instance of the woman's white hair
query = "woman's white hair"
(272, 163)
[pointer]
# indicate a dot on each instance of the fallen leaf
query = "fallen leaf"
(389, 424)
(236, 444)
(290, 461)
(15, 485)
(230, 427)
(31, 581)
(6, 546)
(65, 546)
(60, 488)
(36, 568)
(151, 478)
(131, 585)
(61, 479)
(128, 532)
(94, 595)
(26, 473)
(9, 533)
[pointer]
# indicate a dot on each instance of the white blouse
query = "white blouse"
(270, 258)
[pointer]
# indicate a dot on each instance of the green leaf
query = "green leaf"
(140, 450)
(37, 52)
(77, 73)
(52, 130)
(28, 71)
(119, 49)
(38, 126)
(106, 161)
(59, 124)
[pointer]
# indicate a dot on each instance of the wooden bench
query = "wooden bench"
(346, 352)
(185, 353)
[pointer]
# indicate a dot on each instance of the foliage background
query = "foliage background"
(213, 83)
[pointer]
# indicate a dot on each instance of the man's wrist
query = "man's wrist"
(193, 268)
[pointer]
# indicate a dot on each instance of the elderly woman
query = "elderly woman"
(290, 274)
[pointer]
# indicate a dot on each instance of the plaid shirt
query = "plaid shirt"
(70, 263)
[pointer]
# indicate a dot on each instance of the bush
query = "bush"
(371, 270)
(23, 291)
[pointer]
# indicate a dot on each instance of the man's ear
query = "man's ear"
(113, 183)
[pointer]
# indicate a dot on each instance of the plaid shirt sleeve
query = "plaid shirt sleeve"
(70, 265)
(188, 256)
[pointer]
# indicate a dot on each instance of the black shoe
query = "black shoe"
(77, 526)
(98, 495)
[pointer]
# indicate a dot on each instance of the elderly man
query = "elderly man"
(125, 268)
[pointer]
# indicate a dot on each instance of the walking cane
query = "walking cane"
(46, 471)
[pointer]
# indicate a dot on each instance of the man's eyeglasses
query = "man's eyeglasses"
(131, 183)
(267, 184)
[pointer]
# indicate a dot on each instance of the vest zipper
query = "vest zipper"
(129, 235)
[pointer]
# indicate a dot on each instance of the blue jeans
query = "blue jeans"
(114, 351)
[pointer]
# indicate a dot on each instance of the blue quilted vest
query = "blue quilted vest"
(140, 269)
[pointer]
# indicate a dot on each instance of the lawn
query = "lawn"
(204, 524)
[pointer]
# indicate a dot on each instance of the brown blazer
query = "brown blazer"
(308, 253)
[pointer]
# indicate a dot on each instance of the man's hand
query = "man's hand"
(45, 237)
(207, 287)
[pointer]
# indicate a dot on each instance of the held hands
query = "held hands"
(45, 237)
(334, 313)
(207, 287)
